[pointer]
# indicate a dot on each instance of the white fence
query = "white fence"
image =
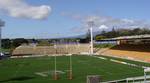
(139, 79)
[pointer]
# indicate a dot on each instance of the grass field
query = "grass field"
(23, 70)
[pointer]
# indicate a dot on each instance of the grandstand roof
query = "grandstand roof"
(146, 36)
(133, 37)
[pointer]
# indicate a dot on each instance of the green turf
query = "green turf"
(23, 70)
(129, 61)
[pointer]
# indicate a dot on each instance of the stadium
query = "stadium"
(37, 46)
(73, 62)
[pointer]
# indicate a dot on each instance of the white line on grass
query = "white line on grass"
(120, 62)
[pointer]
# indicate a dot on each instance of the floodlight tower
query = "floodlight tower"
(91, 24)
(2, 23)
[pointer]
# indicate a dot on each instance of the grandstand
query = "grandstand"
(48, 50)
(130, 47)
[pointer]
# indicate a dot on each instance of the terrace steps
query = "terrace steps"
(61, 49)
(134, 52)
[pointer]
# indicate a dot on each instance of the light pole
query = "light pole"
(91, 24)
(91, 31)
(2, 23)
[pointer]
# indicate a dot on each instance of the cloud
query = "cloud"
(20, 9)
(103, 27)
(106, 22)
(128, 20)
(74, 16)
(109, 22)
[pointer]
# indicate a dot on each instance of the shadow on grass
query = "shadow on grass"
(21, 78)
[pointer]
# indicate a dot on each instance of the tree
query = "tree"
(17, 42)
(136, 31)
(114, 33)
(87, 38)
(43, 43)
(99, 37)
(103, 32)
(6, 43)
(124, 32)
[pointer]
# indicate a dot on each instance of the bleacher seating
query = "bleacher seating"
(130, 51)
(46, 50)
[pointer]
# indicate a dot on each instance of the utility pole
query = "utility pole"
(2, 23)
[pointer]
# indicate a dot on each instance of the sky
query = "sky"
(64, 18)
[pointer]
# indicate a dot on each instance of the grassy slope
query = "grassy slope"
(5, 50)
(82, 66)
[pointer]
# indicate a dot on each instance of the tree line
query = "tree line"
(121, 32)
(13, 43)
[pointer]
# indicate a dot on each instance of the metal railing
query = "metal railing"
(139, 79)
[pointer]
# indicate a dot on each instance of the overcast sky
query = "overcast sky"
(60, 18)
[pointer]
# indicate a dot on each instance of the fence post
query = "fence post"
(126, 80)
(144, 77)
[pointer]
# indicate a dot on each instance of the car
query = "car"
(4, 55)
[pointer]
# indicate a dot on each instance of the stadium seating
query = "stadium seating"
(61, 49)
(136, 52)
